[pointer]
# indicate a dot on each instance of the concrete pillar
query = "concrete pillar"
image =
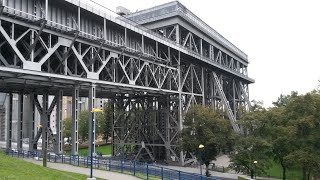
(20, 121)
(75, 117)
(9, 123)
(59, 124)
(92, 117)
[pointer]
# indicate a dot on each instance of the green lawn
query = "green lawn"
(276, 172)
(104, 149)
(13, 168)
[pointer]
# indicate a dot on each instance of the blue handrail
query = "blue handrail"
(110, 164)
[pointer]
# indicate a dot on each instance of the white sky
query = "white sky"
(281, 38)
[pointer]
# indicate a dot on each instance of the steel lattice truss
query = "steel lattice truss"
(63, 49)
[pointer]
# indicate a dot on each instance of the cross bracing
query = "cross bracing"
(66, 48)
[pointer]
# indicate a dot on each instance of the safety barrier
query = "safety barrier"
(139, 169)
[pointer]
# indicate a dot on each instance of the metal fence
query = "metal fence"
(138, 169)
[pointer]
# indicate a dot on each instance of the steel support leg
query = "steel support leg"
(44, 121)
(180, 101)
(92, 118)
(59, 124)
(9, 123)
(75, 117)
(30, 120)
(20, 121)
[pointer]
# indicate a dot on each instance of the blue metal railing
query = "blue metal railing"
(139, 169)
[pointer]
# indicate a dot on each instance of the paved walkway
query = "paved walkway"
(86, 171)
(219, 175)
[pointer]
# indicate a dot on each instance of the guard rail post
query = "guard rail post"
(161, 173)
(134, 168)
(121, 162)
(147, 171)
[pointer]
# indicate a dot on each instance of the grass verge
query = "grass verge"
(103, 149)
(275, 171)
(13, 168)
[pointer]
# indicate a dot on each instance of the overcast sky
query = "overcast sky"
(281, 38)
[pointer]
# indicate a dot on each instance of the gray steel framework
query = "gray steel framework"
(67, 48)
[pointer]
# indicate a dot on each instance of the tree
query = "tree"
(281, 140)
(107, 123)
(304, 112)
(67, 126)
(84, 124)
(252, 145)
(283, 100)
(204, 126)
(83, 128)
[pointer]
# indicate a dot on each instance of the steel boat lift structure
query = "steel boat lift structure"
(153, 65)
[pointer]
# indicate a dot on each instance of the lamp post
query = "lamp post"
(94, 110)
(201, 146)
(255, 168)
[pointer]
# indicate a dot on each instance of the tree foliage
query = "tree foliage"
(83, 125)
(204, 126)
(288, 133)
(252, 145)
(106, 124)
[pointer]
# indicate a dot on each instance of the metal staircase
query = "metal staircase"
(226, 104)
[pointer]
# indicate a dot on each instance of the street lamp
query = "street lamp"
(201, 146)
(94, 110)
(255, 169)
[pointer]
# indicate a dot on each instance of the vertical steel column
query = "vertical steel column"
(44, 121)
(212, 92)
(79, 17)
(177, 34)
(75, 117)
(31, 127)
(234, 98)
(65, 62)
(157, 49)
(201, 47)
(9, 123)
(31, 42)
(142, 43)
(92, 118)
(20, 121)
(180, 103)
(203, 84)
(47, 7)
(167, 127)
(59, 124)
(126, 38)
(105, 29)
(210, 52)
